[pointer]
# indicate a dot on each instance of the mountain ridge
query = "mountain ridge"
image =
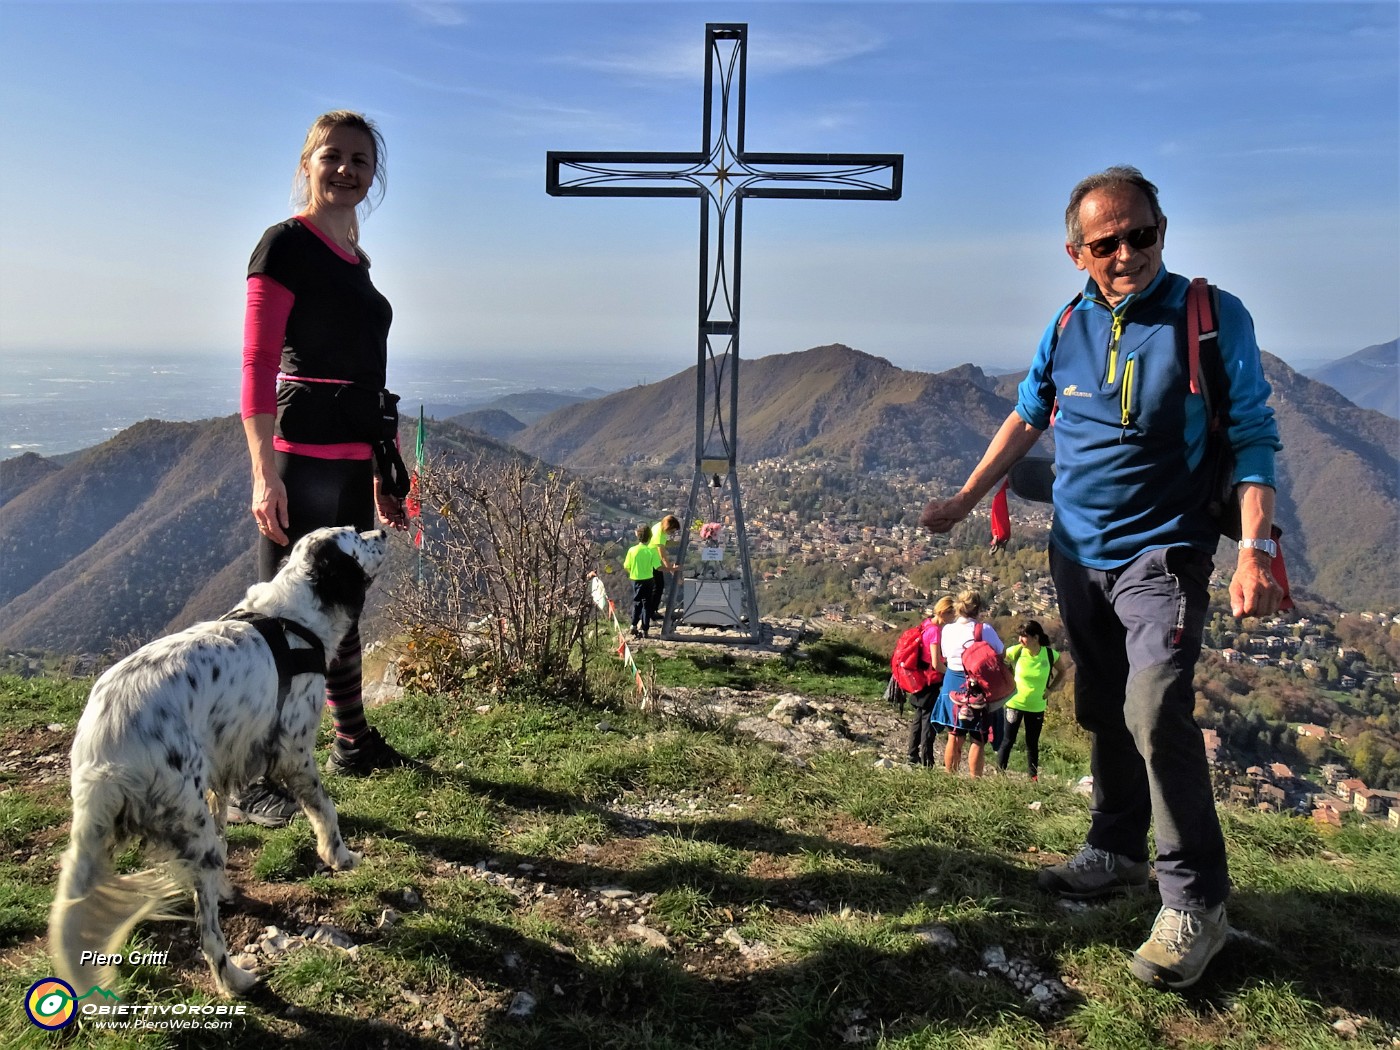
(1369, 378)
(858, 411)
(149, 532)
(850, 407)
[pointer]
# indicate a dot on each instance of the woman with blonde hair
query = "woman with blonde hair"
(971, 724)
(315, 339)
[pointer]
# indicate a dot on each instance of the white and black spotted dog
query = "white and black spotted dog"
(170, 731)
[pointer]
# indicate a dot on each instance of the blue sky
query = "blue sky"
(148, 145)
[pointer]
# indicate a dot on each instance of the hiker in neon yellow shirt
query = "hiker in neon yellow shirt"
(642, 563)
(663, 533)
(1036, 667)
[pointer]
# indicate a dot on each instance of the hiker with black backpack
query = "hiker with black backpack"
(1137, 520)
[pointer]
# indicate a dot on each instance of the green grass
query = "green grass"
(790, 897)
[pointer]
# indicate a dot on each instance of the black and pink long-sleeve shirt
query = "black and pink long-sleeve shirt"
(314, 320)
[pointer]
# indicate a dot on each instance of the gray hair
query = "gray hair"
(1118, 176)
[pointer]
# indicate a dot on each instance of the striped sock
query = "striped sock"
(343, 691)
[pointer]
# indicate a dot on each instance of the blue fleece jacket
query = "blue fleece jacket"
(1130, 437)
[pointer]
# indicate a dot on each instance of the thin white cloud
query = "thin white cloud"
(814, 49)
(675, 60)
(438, 13)
(1154, 15)
(518, 113)
(773, 52)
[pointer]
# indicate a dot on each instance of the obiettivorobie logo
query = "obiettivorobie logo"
(53, 1004)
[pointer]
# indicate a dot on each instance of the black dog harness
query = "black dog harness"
(290, 662)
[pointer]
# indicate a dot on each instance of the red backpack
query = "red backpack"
(909, 664)
(984, 667)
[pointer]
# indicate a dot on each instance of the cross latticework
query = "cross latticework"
(722, 174)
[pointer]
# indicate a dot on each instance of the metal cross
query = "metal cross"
(722, 174)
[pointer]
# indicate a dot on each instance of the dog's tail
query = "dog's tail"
(95, 910)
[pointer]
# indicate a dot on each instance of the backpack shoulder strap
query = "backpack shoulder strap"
(1069, 309)
(1201, 329)
(1059, 328)
(977, 631)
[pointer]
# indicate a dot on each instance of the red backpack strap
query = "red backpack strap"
(1064, 317)
(977, 631)
(1060, 327)
(1200, 324)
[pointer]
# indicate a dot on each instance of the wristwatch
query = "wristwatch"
(1269, 547)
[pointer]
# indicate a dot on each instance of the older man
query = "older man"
(1131, 550)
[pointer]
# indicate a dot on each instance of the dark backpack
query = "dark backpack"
(987, 676)
(909, 665)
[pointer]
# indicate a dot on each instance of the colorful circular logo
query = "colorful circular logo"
(51, 1004)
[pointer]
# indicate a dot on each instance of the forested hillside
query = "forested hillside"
(146, 533)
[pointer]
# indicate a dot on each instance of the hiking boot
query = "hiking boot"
(1093, 872)
(1180, 946)
(371, 752)
(263, 803)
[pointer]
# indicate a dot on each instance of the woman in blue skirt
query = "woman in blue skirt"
(961, 722)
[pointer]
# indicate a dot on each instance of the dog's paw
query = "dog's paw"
(349, 860)
(236, 982)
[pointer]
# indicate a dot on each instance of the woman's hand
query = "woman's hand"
(270, 507)
(390, 507)
(269, 493)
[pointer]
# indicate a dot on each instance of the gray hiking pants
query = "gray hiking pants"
(1136, 635)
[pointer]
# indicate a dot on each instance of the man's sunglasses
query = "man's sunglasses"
(1142, 237)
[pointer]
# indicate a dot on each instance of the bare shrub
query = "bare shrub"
(504, 589)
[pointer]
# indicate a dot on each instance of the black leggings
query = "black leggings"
(322, 492)
(1034, 721)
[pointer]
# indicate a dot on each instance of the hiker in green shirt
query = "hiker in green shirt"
(642, 563)
(663, 534)
(1036, 667)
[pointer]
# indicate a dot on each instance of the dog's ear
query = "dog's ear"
(337, 579)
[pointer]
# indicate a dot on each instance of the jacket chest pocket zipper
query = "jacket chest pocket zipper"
(1125, 397)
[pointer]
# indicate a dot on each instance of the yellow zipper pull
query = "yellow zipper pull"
(1115, 334)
